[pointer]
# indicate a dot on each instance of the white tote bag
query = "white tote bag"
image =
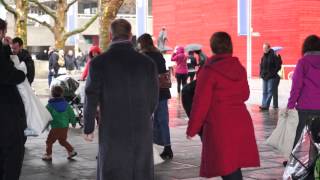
(37, 115)
(282, 138)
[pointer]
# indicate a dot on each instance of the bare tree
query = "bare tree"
(109, 10)
(20, 15)
(59, 16)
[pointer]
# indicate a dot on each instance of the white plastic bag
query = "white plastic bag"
(156, 157)
(81, 92)
(38, 117)
(282, 138)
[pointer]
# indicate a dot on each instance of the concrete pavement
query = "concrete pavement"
(186, 161)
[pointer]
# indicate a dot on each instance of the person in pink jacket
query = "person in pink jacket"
(305, 90)
(181, 69)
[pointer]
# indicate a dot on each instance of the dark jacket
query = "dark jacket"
(25, 57)
(125, 85)
(70, 62)
(12, 112)
(158, 59)
(191, 62)
(270, 65)
(53, 63)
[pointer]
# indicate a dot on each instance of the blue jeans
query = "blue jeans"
(267, 92)
(161, 132)
(50, 77)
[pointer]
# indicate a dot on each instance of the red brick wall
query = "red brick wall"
(281, 23)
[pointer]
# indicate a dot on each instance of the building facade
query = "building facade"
(283, 23)
(40, 37)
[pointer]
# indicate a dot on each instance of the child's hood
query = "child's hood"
(58, 104)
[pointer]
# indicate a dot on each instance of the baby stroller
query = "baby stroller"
(70, 87)
(305, 154)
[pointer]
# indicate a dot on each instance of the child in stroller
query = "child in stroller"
(70, 86)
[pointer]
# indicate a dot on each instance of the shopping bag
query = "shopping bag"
(300, 164)
(156, 157)
(39, 119)
(282, 138)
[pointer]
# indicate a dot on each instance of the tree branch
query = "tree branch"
(44, 23)
(83, 28)
(70, 4)
(45, 8)
(9, 8)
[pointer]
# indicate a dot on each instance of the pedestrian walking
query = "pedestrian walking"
(80, 59)
(276, 82)
(70, 62)
(125, 85)
(202, 58)
(12, 113)
(162, 39)
(269, 67)
(228, 140)
(62, 115)
(24, 56)
(305, 89)
(181, 69)
(94, 51)
(161, 131)
(53, 64)
(191, 63)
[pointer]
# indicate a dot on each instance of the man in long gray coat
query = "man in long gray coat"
(125, 85)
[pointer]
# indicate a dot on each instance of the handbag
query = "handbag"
(165, 80)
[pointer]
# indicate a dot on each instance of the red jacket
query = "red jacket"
(219, 107)
(93, 49)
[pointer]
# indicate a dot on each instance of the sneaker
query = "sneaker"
(46, 157)
(72, 154)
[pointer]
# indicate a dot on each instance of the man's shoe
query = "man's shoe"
(275, 107)
(263, 108)
(166, 155)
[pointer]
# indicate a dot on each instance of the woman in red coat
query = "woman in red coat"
(228, 138)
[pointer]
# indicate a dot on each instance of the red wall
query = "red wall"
(280, 22)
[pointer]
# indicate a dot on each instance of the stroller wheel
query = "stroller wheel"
(80, 122)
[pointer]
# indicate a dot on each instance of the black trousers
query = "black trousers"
(11, 158)
(303, 116)
(181, 79)
(237, 175)
(191, 75)
(275, 92)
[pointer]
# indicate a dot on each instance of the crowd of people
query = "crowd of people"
(124, 88)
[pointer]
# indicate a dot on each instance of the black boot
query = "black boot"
(167, 153)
